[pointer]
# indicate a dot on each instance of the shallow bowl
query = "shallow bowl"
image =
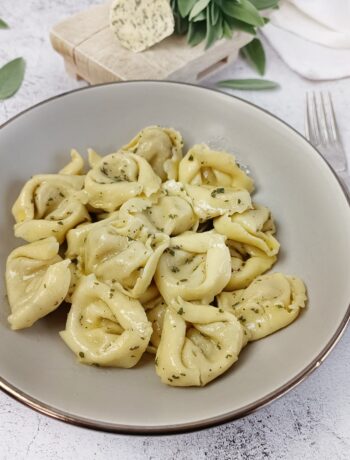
(313, 218)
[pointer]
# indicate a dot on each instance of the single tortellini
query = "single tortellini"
(254, 227)
(270, 303)
(247, 262)
(75, 166)
(155, 311)
(198, 343)
(37, 281)
(76, 237)
(50, 205)
(117, 177)
(203, 166)
(105, 327)
(169, 211)
(125, 255)
(196, 266)
(43, 193)
(161, 147)
(209, 201)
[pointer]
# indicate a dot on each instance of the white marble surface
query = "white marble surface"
(310, 422)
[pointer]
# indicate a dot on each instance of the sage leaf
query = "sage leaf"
(11, 77)
(3, 24)
(185, 6)
(196, 33)
(181, 24)
(248, 84)
(227, 30)
(199, 6)
(264, 4)
(200, 17)
(214, 32)
(244, 11)
(236, 24)
(255, 54)
(214, 13)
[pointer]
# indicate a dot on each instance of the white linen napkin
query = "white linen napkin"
(312, 37)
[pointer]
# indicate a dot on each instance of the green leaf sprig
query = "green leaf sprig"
(211, 20)
(11, 74)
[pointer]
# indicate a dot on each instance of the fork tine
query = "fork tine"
(322, 120)
(312, 126)
(330, 117)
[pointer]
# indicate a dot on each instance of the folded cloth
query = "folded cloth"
(312, 37)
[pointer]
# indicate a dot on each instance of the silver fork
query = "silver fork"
(322, 131)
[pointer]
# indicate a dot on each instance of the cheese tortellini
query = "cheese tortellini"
(209, 202)
(268, 304)
(76, 237)
(50, 205)
(124, 255)
(169, 211)
(196, 266)
(254, 227)
(105, 327)
(118, 177)
(247, 262)
(37, 281)
(198, 343)
(203, 166)
(161, 147)
(157, 253)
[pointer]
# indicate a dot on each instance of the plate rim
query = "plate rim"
(57, 414)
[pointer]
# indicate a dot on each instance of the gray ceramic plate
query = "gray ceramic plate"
(313, 217)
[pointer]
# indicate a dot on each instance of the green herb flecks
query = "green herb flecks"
(217, 191)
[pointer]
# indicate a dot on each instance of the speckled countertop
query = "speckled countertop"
(310, 422)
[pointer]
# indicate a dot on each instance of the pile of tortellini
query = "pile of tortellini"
(157, 252)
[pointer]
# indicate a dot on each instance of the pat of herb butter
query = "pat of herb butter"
(140, 24)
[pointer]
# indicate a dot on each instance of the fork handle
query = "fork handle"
(345, 179)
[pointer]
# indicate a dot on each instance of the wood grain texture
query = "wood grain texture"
(92, 52)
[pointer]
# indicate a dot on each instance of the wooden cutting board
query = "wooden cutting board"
(92, 52)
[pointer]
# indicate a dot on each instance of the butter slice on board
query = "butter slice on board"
(140, 24)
